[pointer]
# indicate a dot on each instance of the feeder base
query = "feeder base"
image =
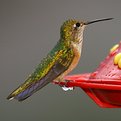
(105, 93)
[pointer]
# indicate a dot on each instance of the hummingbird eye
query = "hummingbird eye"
(77, 24)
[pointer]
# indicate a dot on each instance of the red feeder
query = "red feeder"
(103, 85)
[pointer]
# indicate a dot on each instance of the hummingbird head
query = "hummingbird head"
(72, 30)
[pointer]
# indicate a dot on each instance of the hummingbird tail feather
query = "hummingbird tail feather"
(21, 95)
(31, 85)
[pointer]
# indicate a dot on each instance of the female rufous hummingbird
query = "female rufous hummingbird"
(61, 60)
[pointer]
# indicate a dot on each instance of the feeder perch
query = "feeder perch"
(104, 85)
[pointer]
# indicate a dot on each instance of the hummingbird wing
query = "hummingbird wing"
(56, 62)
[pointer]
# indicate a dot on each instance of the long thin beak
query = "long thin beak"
(105, 19)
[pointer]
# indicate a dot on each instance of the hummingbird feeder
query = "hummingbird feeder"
(104, 85)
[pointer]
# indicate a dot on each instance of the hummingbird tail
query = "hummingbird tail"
(22, 93)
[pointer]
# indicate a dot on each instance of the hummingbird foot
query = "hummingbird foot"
(62, 82)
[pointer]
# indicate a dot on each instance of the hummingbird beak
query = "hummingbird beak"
(105, 19)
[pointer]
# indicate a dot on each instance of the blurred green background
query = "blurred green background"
(29, 29)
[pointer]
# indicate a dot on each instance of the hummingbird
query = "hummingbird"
(61, 60)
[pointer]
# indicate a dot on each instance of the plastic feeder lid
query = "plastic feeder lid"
(103, 85)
